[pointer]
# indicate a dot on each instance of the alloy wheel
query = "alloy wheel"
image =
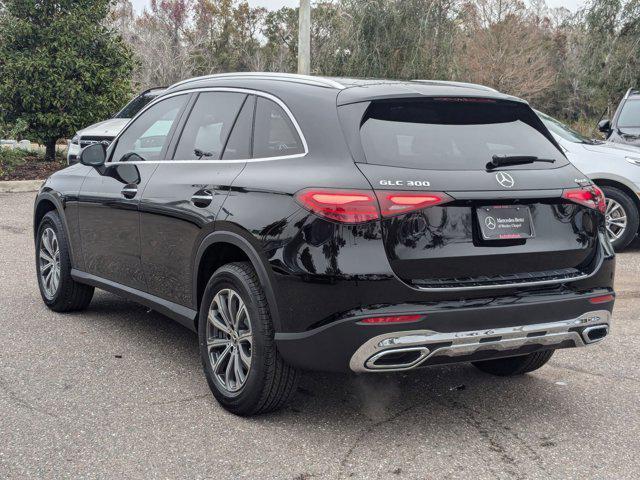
(616, 219)
(49, 258)
(229, 340)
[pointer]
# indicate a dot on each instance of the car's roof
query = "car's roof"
(350, 90)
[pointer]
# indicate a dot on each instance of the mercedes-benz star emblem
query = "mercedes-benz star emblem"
(490, 222)
(505, 179)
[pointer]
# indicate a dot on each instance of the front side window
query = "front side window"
(205, 132)
(148, 136)
(453, 134)
(274, 134)
(630, 115)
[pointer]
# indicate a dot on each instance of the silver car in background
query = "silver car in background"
(615, 168)
(107, 130)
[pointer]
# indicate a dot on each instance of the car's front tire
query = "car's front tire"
(622, 217)
(506, 367)
(241, 363)
(59, 291)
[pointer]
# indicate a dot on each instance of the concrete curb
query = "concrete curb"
(16, 186)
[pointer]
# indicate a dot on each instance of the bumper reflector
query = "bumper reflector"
(602, 299)
(393, 319)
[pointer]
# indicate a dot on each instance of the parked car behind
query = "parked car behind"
(299, 223)
(614, 167)
(624, 127)
(107, 130)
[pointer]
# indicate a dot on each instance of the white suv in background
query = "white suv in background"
(615, 168)
(107, 130)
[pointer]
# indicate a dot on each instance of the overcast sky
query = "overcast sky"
(275, 4)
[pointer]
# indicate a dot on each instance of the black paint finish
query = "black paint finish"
(320, 275)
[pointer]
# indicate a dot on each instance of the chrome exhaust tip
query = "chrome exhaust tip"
(397, 358)
(595, 334)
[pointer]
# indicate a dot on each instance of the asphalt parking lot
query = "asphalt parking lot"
(117, 392)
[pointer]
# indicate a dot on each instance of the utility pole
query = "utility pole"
(304, 38)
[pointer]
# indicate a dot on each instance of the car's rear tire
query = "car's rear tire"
(241, 363)
(59, 291)
(506, 367)
(619, 203)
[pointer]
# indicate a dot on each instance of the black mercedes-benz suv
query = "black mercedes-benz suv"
(334, 224)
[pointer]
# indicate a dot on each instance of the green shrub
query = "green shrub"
(11, 158)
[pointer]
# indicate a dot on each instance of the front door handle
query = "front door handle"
(129, 191)
(202, 198)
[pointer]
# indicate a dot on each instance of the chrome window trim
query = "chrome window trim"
(246, 91)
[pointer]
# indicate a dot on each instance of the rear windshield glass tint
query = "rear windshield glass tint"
(134, 106)
(630, 115)
(452, 134)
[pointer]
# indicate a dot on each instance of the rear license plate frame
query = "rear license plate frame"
(505, 222)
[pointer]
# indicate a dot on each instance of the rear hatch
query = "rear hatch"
(451, 220)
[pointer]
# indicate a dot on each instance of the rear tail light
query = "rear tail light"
(393, 319)
(591, 197)
(346, 206)
(397, 203)
(357, 206)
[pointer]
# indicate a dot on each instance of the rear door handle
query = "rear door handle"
(202, 198)
(129, 191)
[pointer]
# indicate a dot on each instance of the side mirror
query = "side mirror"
(123, 172)
(604, 125)
(94, 155)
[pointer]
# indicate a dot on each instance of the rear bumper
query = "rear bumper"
(411, 349)
(449, 334)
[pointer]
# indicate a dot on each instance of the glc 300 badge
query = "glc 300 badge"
(505, 180)
(405, 183)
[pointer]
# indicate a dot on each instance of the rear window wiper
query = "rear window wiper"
(501, 160)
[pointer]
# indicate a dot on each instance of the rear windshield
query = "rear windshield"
(453, 134)
(134, 106)
(630, 115)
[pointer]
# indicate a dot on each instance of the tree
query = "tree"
(165, 53)
(122, 19)
(61, 67)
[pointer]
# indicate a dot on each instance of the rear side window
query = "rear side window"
(630, 115)
(453, 134)
(239, 143)
(274, 134)
(205, 132)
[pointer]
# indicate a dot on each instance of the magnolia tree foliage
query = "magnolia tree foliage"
(61, 67)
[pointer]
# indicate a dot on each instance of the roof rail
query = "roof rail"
(632, 91)
(152, 88)
(291, 77)
(457, 84)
